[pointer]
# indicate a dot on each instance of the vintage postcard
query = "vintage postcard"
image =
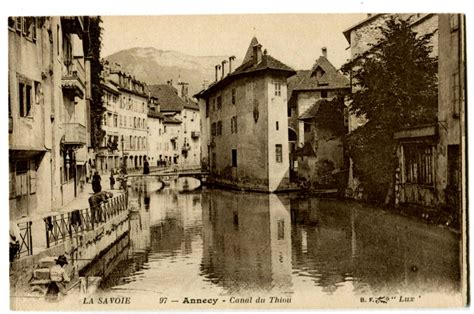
(252, 161)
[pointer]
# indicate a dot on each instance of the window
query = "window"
(289, 111)
(233, 96)
(234, 158)
(455, 94)
(307, 127)
(281, 229)
(24, 97)
(104, 118)
(12, 22)
(418, 163)
(233, 125)
(278, 153)
(277, 88)
(219, 128)
(115, 120)
(21, 182)
(131, 142)
(214, 129)
(277, 126)
(324, 94)
(219, 102)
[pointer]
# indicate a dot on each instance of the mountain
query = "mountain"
(154, 66)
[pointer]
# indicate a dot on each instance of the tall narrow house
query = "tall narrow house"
(244, 122)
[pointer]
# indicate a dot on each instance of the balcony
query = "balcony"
(73, 25)
(74, 134)
(195, 134)
(72, 80)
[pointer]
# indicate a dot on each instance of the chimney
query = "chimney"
(223, 68)
(257, 53)
(230, 63)
(369, 15)
(217, 67)
(324, 51)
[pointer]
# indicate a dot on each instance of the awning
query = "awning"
(26, 152)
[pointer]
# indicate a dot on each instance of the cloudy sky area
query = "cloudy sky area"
(292, 38)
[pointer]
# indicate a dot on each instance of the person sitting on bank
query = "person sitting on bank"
(58, 277)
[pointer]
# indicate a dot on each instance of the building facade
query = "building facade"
(308, 89)
(430, 156)
(180, 143)
(244, 116)
(128, 121)
(48, 110)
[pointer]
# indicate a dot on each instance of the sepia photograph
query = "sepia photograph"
(237, 161)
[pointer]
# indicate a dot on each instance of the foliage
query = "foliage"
(92, 47)
(330, 115)
(395, 86)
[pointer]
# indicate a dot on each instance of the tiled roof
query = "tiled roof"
(191, 104)
(249, 67)
(168, 98)
(267, 63)
(309, 80)
(306, 151)
(154, 114)
(312, 111)
(168, 119)
(110, 87)
(249, 54)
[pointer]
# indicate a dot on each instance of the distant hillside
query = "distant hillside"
(155, 66)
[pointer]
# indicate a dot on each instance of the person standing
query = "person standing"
(112, 179)
(96, 186)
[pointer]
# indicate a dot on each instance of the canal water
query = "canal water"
(215, 242)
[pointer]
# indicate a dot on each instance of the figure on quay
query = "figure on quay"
(96, 186)
(59, 279)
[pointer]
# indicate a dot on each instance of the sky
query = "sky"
(295, 39)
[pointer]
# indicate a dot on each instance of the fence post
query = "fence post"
(30, 238)
(46, 225)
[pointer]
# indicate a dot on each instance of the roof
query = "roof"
(312, 111)
(154, 114)
(191, 104)
(267, 63)
(168, 98)
(249, 53)
(307, 151)
(168, 119)
(309, 80)
(110, 87)
(347, 32)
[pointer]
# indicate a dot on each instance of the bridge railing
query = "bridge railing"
(62, 226)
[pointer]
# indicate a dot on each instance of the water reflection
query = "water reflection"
(246, 242)
(226, 242)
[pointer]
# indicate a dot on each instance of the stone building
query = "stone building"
(109, 153)
(128, 119)
(48, 112)
(430, 156)
(156, 134)
(244, 117)
(307, 91)
(181, 126)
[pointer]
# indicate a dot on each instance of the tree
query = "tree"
(92, 47)
(395, 86)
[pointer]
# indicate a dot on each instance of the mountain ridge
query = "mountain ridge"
(156, 66)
